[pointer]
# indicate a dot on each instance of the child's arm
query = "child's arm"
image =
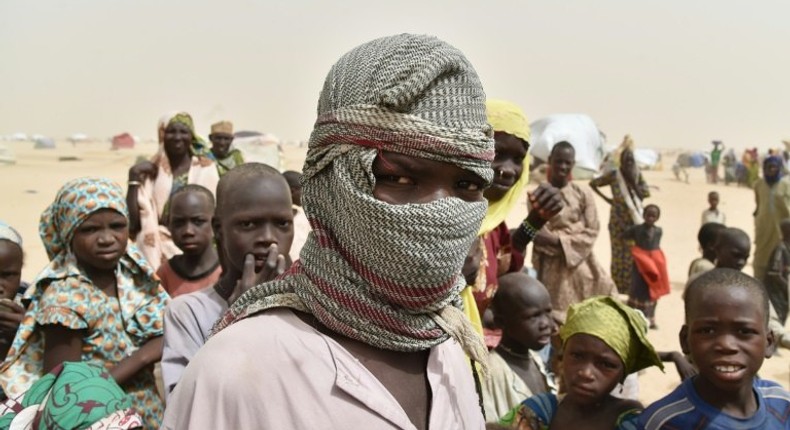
(148, 354)
(629, 233)
(61, 344)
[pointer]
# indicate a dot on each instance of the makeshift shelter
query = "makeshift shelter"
(6, 155)
(123, 141)
(44, 143)
(247, 133)
(692, 159)
(261, 148)
(577, 129)
(78, 137)
(647, 158)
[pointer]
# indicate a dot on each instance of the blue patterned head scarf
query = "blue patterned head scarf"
(74, 203)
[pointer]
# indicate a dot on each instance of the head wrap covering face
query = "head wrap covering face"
(506, 117)
(620, 327)
(198, 146)
(773, 159)
(74, 203)
(74, 395)
(8, 233)
(387, 275)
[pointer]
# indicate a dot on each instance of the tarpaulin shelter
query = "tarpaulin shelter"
(44, 143)
(123, 141)
(577, 129)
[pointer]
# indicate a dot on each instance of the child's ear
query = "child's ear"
(771, 345)
(683, 337)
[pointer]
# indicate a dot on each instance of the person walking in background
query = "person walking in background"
(776, 280)
(628, 190)
(715, 159)
(772, 198)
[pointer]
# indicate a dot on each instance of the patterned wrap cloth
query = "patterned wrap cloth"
(73, 395)
(618, 326)
(8, 233)
(114, 327)
(387, 275)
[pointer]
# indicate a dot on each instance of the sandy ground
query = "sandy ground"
(32, 182)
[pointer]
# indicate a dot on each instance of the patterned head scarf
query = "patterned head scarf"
(387, 275)
(74, 203)
(773, 159)
(8, 233)
(74, 395)
(198, 146)
(618, 326)
(506, 117)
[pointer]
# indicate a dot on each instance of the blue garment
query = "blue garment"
(684, 409)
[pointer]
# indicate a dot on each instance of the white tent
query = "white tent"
(577, 129)
(264, 148)
(6, 155)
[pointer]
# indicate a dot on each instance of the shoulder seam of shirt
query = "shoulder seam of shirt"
(774, 392)
(666, 413)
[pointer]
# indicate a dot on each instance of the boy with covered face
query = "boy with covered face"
(368, 321)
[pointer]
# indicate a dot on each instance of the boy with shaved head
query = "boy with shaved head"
(522, 310)
(726, 333)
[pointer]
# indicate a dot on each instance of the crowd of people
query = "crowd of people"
(381, 286)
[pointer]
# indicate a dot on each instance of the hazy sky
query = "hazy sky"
(672, 73)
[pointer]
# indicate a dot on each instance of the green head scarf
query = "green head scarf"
(620, 327)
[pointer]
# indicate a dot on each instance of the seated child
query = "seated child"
(649, 279)
(776, 279)
(603, 341)
(471, 274)
(191, 208)
(11, 287)
(522, 310)
(224, 157)
(713, 214)
(706, 237)
(253, 223)
(726, 333)
(97, 301)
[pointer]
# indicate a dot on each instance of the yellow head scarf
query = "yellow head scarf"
(618, 326)
(506, 117)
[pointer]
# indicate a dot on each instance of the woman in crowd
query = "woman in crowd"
(182, 159)
(628, 190)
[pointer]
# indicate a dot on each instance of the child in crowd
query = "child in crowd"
(191, 210)
(732, 251)
(253, 223)
(776, 279)
(712, 213)
(707, 236)
(603, 342)
(301, 225)
(11, 287)
(522, 310)
(97, 301)
(726, 333)
(649, 279)
(221, 138)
